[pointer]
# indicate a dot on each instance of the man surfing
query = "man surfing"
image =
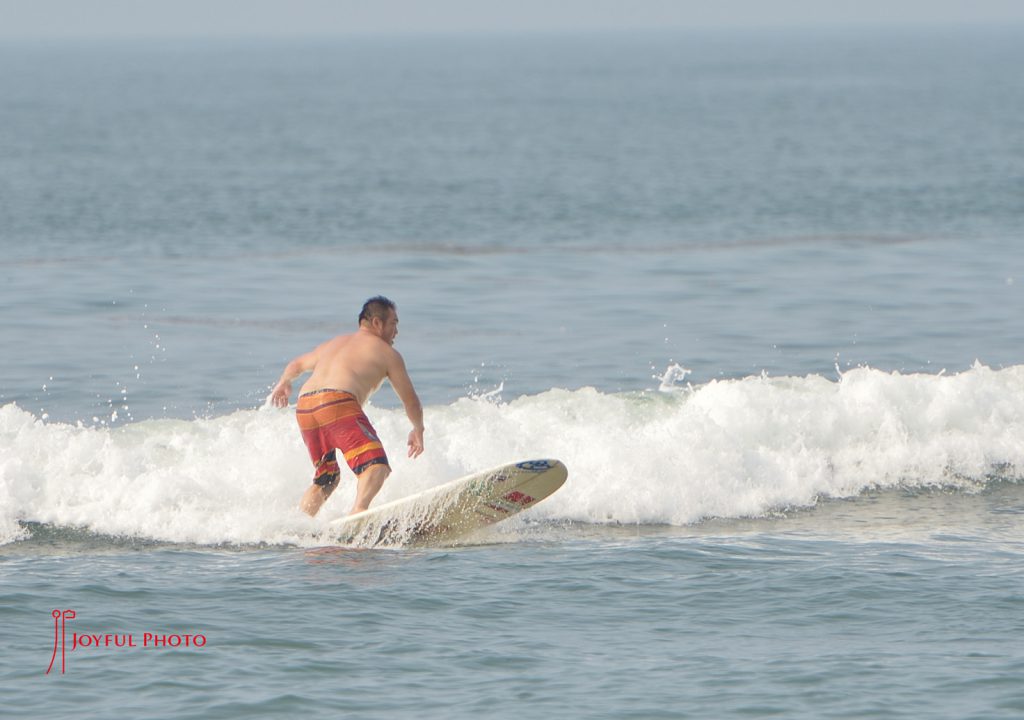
(346, 370)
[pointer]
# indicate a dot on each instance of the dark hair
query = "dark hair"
(376, 307)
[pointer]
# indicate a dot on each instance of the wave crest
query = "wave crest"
(729, 448)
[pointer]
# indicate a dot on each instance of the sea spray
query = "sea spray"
(728, 448)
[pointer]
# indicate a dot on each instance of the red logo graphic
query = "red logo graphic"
(111, 640)
(518, 498)
(59, 619)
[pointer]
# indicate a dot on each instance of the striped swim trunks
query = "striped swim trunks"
(333, 420)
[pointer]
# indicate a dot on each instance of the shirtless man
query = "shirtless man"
(346, 371)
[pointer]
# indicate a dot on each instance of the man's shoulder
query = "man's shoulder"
(395, 359)
(371, 344)
(337, 340)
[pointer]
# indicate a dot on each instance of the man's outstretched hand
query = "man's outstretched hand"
(415, 443)
(280, 395)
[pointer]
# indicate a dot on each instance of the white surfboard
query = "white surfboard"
(447, 512)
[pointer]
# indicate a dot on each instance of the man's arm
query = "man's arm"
(400, 381)
(283, 390)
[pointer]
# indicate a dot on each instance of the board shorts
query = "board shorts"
(332, 420)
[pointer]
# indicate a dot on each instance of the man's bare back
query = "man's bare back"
(357, 364)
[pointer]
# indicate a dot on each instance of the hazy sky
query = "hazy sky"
(149, 18)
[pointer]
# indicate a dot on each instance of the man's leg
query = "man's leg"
(369, 483)
(315, 496)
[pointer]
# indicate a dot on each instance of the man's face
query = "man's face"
(389, 329)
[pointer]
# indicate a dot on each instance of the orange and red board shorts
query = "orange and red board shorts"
(333, 420)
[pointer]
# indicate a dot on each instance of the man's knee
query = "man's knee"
(327, 482)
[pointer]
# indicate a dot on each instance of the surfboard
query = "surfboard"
(443, 514)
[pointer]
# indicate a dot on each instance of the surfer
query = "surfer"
(346, 370)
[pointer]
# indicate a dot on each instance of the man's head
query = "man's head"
(380, 315)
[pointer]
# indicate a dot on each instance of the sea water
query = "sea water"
(761, 292)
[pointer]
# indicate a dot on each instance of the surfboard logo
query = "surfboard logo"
(535, 465)
(498, 477)
(521, 499)
(511, 502)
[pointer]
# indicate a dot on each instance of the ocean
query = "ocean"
(760, 291)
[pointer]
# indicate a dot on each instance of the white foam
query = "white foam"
(731, 448)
